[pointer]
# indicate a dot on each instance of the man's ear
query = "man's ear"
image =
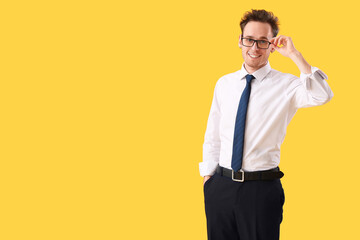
(239, 41)
(272, 48)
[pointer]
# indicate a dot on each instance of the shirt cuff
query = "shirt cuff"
(207, 168)
(315, 73)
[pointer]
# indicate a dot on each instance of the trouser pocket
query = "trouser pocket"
(208, 182)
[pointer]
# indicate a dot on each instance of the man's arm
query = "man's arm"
(288, 50)
(211, 146)
(311, 89)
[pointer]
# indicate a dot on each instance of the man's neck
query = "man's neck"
(251, 70)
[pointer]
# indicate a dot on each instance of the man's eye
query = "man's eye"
(263, 42)
(251, 40)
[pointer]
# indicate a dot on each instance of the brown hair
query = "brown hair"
(260, 16)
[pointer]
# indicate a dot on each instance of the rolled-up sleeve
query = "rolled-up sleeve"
(310, 89)
(211, 146)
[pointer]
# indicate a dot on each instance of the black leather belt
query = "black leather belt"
(241, 176)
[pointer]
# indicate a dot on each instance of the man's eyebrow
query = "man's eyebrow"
(265, 38)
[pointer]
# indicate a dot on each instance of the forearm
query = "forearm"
(300, 62)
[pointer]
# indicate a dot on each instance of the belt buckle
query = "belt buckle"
(238, 180)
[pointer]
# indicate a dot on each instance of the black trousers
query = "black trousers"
(250, 210)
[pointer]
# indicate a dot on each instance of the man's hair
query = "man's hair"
(260, 16)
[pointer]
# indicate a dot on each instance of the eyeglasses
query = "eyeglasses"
(262, 44)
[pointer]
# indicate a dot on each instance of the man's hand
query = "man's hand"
(285, 46)
(206, 178)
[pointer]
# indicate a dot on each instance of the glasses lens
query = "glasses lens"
(263, 44)
(247, 42)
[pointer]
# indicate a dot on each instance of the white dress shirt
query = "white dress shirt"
(274, 99)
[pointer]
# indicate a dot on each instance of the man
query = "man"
(242, 189)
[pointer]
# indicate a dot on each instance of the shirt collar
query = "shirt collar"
(259, 74)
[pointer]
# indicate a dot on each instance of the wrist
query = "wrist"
(295, 54)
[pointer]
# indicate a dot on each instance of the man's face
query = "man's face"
(255, 57)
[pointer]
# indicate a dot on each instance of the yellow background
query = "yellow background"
(104, 107)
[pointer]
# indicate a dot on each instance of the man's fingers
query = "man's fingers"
(279, 40)
(206, 178)
(274, 40)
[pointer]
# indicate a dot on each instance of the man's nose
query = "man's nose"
(255, 47)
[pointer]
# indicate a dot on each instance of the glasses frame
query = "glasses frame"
(257, 44)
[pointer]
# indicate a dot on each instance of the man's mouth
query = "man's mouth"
(254, 55)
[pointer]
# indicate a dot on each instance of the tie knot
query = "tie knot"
(249, 78)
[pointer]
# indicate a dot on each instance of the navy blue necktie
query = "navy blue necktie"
(238, 144)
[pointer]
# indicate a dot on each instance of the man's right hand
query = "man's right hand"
(206, 178)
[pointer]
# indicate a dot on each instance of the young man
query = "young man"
(242, 189)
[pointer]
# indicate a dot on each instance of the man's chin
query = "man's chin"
(254, 65)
